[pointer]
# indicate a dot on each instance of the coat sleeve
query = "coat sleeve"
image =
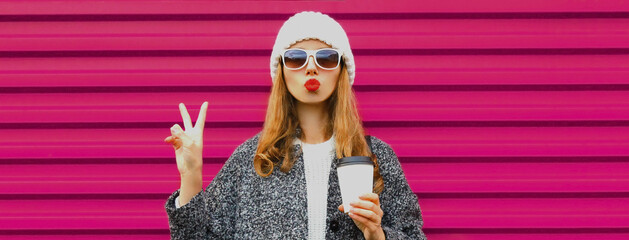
(402, 215)
(211, 213)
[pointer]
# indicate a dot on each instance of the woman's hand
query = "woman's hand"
(188, 143)
(367, 215)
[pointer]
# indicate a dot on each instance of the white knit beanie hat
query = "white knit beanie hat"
(312, 25)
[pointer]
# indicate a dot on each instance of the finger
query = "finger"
(177, 143)
(178, 132)
(341, 208)
(364, 221)
(372, 197)
(367, 205)
(171, 139)
(187, 123)
(371, 216)
(200, 123)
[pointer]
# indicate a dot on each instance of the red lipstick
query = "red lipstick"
(312, 85)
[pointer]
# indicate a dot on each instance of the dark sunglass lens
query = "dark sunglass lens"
(328, 58)
(294, 58)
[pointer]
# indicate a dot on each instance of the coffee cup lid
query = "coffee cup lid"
(354, 160)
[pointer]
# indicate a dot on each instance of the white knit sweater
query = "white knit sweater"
(317, 161)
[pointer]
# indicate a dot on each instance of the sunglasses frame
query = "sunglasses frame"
(312, 53)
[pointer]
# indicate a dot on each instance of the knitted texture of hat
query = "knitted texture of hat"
(313, 25)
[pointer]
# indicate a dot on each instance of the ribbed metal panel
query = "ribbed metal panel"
(511, 119)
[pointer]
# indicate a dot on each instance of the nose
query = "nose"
(311, 66)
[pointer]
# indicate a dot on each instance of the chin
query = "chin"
(310, 100)
(313, 98)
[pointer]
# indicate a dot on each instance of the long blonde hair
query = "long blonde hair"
(280, 128)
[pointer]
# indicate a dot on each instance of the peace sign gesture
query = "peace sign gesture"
(188, 143)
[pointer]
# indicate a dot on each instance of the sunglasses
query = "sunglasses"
(326, 58)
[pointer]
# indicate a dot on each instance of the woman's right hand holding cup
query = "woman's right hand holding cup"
(188, 145)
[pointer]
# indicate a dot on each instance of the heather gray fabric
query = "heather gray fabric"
(239, 204)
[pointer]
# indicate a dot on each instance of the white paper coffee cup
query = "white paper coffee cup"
(355, 178)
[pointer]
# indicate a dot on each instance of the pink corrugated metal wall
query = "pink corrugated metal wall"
(511, 119)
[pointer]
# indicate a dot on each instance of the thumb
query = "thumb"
(341, 208)
(176, 129)
(179, 133)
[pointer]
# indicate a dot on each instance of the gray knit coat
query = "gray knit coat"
(239, 204)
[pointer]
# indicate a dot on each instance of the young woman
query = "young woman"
(282, 183)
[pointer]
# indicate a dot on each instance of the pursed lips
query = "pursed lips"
(312, 84)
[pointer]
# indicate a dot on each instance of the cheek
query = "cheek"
(291, 83)
(334, 76)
